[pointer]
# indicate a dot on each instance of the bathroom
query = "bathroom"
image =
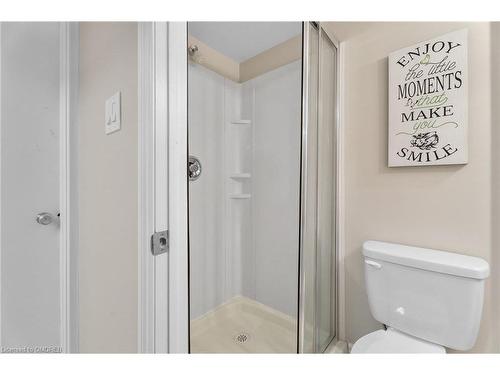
(236, 187)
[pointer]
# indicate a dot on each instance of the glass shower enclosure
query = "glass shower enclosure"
(261, 147)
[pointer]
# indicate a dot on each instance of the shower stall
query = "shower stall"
(262, 151)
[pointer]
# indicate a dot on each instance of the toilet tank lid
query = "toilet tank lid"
(427, 259)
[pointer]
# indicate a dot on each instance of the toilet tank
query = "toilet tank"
(431, 294)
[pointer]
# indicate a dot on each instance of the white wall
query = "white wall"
(108, 189)
(442, 207)
(220, 228)
(206, 195)
(276, 184)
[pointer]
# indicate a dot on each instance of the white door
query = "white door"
(29, 174)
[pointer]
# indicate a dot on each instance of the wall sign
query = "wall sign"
(428, 102)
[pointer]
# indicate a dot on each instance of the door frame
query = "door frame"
(163, 310)
(68, 185)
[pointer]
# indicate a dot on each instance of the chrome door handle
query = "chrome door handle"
(44, 218)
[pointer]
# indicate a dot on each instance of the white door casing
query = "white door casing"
(163, 322)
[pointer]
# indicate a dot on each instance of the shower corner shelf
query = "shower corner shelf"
(240, 196)
(241, 122)
(238, 176)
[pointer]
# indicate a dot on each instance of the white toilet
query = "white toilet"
(428, 299)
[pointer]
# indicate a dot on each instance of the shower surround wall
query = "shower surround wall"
(245, 205)
(206, 195)
(276, 184)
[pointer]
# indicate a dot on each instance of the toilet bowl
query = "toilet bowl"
(394, 341)
(429, 299)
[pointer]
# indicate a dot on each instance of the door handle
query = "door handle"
(44, 218)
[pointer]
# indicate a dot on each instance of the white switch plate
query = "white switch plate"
(113, 114)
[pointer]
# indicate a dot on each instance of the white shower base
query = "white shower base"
(242, 325)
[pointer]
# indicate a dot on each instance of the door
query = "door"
(29, 223)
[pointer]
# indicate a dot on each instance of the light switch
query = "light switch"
(113, 110)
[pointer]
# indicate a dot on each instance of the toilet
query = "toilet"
(429, 300)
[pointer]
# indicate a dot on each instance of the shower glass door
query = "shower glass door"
(327, 161)
(244, 140)
(317, 322)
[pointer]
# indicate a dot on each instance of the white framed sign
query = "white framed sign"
(428, 102)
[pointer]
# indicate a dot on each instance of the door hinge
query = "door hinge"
(159, 242)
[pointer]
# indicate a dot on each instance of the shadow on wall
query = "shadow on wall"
(360, 317)
(495, 174)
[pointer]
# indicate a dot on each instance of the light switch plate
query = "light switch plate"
(113, 114)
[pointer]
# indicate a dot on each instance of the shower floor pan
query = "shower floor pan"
(242, 325)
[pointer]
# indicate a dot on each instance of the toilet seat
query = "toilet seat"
(394, 341)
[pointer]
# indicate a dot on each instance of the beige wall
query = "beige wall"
(273, 58)
(214, 60)
(108, 190)
(442, 207)
(495, 142)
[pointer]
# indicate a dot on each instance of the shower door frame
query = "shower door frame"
(163, 316)
(339, 294)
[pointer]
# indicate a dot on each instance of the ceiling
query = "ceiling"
(243, 40)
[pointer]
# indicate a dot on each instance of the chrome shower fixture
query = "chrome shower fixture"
(192, 49)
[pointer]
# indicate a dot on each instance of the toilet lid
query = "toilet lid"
(394, 341)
